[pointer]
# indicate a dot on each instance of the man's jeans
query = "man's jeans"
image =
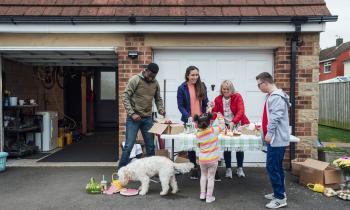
(132, 127)
(274, 166)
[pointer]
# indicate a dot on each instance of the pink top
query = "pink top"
(195, 103)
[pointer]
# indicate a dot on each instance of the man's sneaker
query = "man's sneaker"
(228, 173)
(240, 172)
(276, 203)
(271, 196)
(210, 199)
(217, 177)
(194, 174)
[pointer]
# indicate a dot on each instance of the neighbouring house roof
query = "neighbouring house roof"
(347, 60)
(336, 79)
(241, 8)
(333, 52)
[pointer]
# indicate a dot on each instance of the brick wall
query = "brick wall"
(306, 90)
(128, 67)
(21, 80)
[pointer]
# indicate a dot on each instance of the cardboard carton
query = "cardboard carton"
(160, 127)
(318, 172)
(296, 165)
(181, 160)
(162, 152)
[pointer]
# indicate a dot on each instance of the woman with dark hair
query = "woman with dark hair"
(191, 100)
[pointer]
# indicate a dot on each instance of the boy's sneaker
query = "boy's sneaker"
(228, 173)
(194, 174)
(276, 203)
(217, 177)
(271, 196)
(240, 172)
(210, 199)
(202, 196)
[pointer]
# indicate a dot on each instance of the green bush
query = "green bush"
(332, 149)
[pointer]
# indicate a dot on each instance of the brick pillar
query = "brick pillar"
(306, 96)
(128, 67)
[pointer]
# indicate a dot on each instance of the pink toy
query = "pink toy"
(129, 192)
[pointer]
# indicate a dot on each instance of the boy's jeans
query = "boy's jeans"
(274, 166)
(132, 127)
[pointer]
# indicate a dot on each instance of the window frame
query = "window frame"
(327, 65)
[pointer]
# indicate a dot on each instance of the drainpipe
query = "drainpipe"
(1, 113)
(295, 43)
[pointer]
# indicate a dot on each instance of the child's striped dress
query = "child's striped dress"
(207, 139)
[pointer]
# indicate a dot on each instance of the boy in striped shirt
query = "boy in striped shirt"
(209, 152)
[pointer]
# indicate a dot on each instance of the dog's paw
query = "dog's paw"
(174, 191)
(140, 188)
(142, 192)
(163, 193)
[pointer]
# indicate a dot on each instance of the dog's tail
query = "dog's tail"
(183, 167)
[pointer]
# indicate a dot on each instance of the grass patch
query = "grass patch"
(329, 134)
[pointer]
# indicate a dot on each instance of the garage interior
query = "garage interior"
(76, 85)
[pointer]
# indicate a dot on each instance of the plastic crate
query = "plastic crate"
(3, 156)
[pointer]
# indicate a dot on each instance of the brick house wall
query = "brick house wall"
(128, 67)
(337, 66)
(23, 83)
(306, 87)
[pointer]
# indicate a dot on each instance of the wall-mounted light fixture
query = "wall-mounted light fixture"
(133, 54)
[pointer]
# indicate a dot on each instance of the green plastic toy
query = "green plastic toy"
(93, 187)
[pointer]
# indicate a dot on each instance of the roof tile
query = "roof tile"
(249, 11)
(3, 10)
(16, 10)
(35, 11)
(88, 11)
(144, 11)
(213, 11)
(99, 2)
(267, 11)
(54, 11)
(106, 11)
(159, 11)
(285, 11)
(238, 2)
(320, 10)
(124, 11)
(195, 11)
(231, 11)
(303, 10)
(70, 11)
(177, 11)
(255, 2)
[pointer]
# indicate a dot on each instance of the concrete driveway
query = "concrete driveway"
(63, 188)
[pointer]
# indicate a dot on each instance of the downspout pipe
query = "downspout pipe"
(295, 43)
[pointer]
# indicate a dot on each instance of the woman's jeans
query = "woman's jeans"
(239, 157)
(132, 127)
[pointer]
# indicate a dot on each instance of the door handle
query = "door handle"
(212, 87)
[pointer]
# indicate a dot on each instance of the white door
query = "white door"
(239, 66)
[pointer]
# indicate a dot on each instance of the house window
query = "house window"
(327, 67)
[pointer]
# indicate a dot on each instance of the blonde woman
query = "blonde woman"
(230, 104)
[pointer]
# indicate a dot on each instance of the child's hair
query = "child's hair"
(203, 121)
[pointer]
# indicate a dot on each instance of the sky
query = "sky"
(340, 28)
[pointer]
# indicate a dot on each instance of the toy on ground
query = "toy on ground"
(329, 192)
(316, 187)
(344, 194)
(129, 192)
(93, 187)
(115, 186)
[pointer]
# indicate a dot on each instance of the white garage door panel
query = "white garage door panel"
(239, 66)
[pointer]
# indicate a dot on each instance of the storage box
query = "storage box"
(296, 165)
(162, 152)
(181, 160)
(318, 172)
(160, 127)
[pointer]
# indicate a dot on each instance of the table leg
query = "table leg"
(172, 150)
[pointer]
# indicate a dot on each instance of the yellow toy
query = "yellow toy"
(316, 187)
(116, 182)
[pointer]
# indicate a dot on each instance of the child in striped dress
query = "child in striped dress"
(209, 152)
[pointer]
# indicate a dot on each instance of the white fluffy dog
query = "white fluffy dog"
(143, 169)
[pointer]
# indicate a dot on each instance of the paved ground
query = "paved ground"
(63, 188)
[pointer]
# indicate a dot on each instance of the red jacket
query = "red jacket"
(237, 108)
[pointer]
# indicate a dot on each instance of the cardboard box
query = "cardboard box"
(162, 152)
(318, 172)
(296, 165)
(181, 160)
(162, 128)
